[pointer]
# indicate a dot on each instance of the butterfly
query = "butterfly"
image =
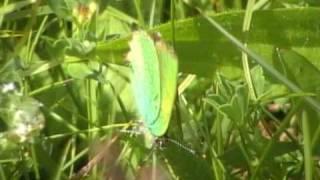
(154, 81)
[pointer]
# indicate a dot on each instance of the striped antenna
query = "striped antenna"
(191, 151)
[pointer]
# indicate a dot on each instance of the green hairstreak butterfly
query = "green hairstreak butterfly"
(154, 80)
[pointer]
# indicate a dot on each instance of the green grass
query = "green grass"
(247, 105)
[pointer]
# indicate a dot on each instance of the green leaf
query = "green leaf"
(186, 165)
(62, 8)
(202, 50)
(299, 70)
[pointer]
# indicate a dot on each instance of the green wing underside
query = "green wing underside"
(168, 77)
(145, 77)
(154, 80)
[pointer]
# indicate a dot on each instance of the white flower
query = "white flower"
(8, 87)
(22, 130)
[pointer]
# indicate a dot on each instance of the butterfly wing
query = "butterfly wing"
(168, 63)
(145, 76)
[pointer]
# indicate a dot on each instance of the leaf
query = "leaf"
(113, 22)
(185, 164)
(202, 50)
(258, 80)
(232, 100)
(62, 8)
(299, 70)
(81, 70)
(305, 74)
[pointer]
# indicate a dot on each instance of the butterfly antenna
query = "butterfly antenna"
(191, 151)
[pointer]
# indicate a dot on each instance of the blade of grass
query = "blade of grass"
(21, 14)
(73, 153)
(70, 92)
(36, 40)
(315, 138)
(61, 120)
(95, 129)
(72, 161)
(14, 6)
(260, 4)
(27, 30)
(152, 13)
(35, 163)
(173, 19)
(186, 83)
(218, 166)
(2, 174)
(59, 172)
(137, 5)
(245, 62)
(92, 108)
(308, 163)
(49, 86)
(1, 16)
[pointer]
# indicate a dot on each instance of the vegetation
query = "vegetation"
(247, 105)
